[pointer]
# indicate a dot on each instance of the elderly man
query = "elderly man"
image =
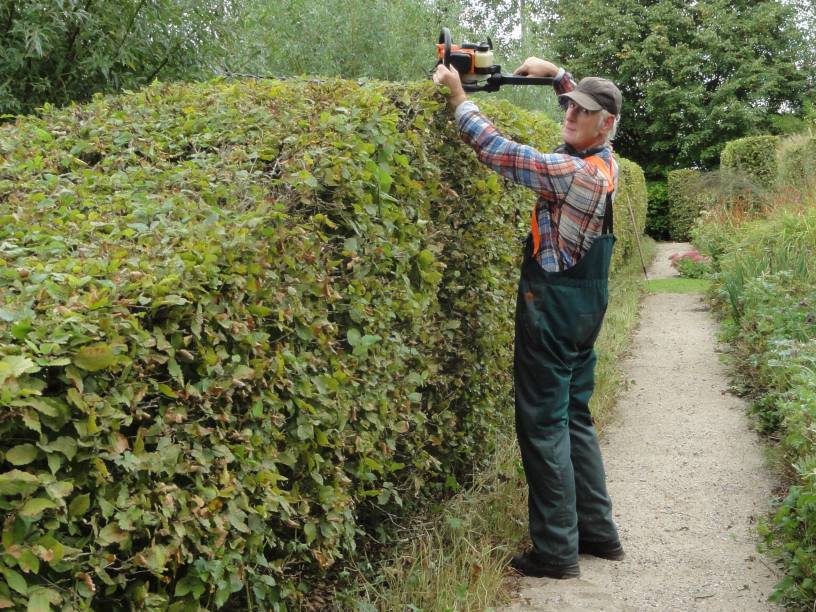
(562, 299)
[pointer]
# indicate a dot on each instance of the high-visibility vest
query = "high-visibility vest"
(606, 170)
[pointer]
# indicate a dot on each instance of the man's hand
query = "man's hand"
(536, 67)
(450, 78)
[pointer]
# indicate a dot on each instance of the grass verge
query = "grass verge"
(455, 559)
(678, 285)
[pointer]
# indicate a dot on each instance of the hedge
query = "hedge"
(795, 158)
(241, 326)
(687, 199)
(753, 157)
(630, 207)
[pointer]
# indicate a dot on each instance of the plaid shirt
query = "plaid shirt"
(571, 192)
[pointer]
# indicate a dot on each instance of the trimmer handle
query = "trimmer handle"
(445, 39)
(495, 81)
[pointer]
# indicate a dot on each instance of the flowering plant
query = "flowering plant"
(691, 264)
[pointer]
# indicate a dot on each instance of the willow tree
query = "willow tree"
(57, 52)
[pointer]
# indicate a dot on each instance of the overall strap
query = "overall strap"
(605, 169)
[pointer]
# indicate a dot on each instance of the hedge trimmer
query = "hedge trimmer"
(474, 63)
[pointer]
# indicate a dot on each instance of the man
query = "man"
(562, 299)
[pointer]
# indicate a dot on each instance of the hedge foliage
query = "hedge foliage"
(796, 156)
(753, 157)
(687, 199)
(630, 211)
(241, 324)
(657, 214)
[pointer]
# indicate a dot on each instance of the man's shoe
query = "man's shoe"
(605, 550)
(528, 564)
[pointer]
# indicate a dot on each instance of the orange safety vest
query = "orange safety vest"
(603, 168)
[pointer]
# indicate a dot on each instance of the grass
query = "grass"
(455, 560)
(678, 285)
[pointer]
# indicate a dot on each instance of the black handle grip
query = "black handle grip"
(445, 38)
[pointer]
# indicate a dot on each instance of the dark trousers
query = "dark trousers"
(558, 317)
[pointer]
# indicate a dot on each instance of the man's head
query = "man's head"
(593, 111)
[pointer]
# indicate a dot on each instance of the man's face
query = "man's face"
(582, 128)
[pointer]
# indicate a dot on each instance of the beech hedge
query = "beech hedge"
(242, 323)
(687, 199)
(794, 162)
(753, 157)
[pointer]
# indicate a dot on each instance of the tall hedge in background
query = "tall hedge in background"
(242, 327)
(687, 199)
(796, 156)
(630, 212)
(753, 157)
(657, 216)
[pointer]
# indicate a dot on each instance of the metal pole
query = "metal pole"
(637, 237)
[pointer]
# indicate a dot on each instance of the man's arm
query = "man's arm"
(535, 67)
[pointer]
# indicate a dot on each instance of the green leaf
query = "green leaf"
(22, 454)
(36, 506)
(29, 562)
(112, 534)
(156, 559)
(353, 336)
(94, 358)
(15, 580)
(41, 599)
(17, 482)
(15, 366)
(65, 445)
(311, 532)
(60, 489)
(190, 584)
(79, 505)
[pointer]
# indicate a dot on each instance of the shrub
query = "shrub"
(630, 212)
(657, 216)
(687, 199)
(795, 158)
(241, 326)
(765, 291)
(691, 264)
(754, 157)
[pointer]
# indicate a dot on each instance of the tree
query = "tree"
(693, 75)
(62, 51)
(349, 38)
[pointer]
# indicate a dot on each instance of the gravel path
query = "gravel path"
(686, 476)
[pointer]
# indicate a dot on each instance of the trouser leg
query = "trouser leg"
(542, 397)
(593, 506)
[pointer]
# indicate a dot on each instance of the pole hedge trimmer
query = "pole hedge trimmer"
(474, 63)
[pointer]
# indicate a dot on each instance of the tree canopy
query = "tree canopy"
(693, 75)
(62, 51)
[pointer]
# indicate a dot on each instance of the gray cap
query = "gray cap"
(595, 93)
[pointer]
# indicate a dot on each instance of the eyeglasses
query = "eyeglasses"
(570, 105)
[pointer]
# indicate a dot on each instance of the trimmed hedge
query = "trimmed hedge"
(657, 215)
(795, 158)
(630, 201)
(687, 199)
(753, 157)
(241, 325)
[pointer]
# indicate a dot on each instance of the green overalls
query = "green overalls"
(558, 318)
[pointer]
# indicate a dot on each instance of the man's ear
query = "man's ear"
(607, 124)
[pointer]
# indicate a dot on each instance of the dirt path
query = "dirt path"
(686, 476)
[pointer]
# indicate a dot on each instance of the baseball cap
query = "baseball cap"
(594, 94)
